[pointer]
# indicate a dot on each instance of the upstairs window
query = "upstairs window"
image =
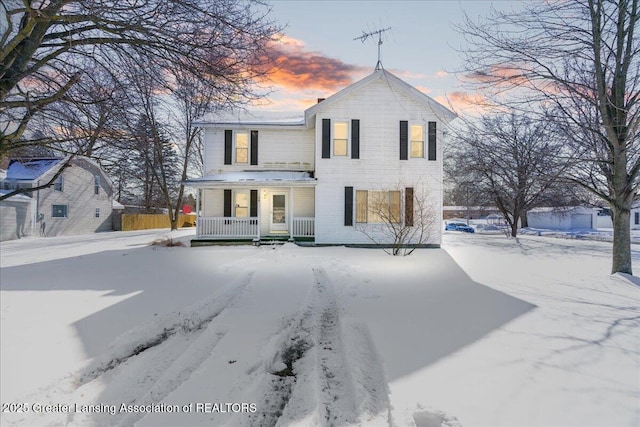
(242, 147)
(340, 138)
(59, 184)
(96, 184)
(97, 212)
(417, 141)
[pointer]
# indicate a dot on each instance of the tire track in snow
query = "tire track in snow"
(337, 397)
(325, 370)
(149, 369)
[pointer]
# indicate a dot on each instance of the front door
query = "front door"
(279, 213)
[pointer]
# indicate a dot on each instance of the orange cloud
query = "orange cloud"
(297, 68)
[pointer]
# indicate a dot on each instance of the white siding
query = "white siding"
(278, 148)
(79, 196)
(304, 202)
(212, 201)
(380, 110)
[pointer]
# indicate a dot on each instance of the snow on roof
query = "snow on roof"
(30, 169)
(564, 210)
(266, 177)
(116, 205)
(16, 198)
(263, 118)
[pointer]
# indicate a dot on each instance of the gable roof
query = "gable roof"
(33, 169)
(394, 82)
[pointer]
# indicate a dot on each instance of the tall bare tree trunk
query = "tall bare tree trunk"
(621, 241)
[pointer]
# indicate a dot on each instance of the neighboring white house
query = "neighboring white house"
(563, 218)
(315, 176)
(80, 200)
(605, 221)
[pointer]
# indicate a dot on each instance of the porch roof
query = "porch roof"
(263, 178)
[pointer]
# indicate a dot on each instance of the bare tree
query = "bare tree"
(579, 60)
(190, 100)
(509, 158)
(49, 47)
(399, 220)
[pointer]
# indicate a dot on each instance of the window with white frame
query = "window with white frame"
(340, 138)
(242, 147)
(59, 211)
(58, 185)
(378, 207)
(96, 184)
(417, 141)
(241, 204)
(97, 212)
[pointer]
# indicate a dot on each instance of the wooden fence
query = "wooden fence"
(132, 222)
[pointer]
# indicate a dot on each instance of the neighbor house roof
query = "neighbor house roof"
(16, 198)
(28, 170)
(270, 178)
(33, 169)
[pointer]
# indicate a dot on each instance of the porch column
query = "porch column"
(291, 212)
(197, 212)
(259, 212)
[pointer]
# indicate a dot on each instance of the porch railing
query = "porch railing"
(231, 227)
(227, 227)
(303, 227)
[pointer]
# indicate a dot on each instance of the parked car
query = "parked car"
(459, 226)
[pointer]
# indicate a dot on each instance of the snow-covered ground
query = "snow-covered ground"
(487, 331)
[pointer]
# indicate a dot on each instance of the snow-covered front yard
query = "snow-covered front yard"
(487, 331)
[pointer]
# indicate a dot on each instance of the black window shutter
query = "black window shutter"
(404, 140)
(227, 203)
(326, 138)
(228, 146)
(254, 147)
(253, 204)
(355, 139)
(432, 140)
(348, 206)
(408, 207)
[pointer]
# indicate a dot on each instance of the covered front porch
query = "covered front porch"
(255, 206)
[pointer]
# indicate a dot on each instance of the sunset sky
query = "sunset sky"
(318, 56)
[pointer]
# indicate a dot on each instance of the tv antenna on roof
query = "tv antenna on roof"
(365, 36)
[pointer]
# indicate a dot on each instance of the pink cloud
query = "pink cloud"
(297, 68)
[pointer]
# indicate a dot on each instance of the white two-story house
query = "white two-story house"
(315, 177)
